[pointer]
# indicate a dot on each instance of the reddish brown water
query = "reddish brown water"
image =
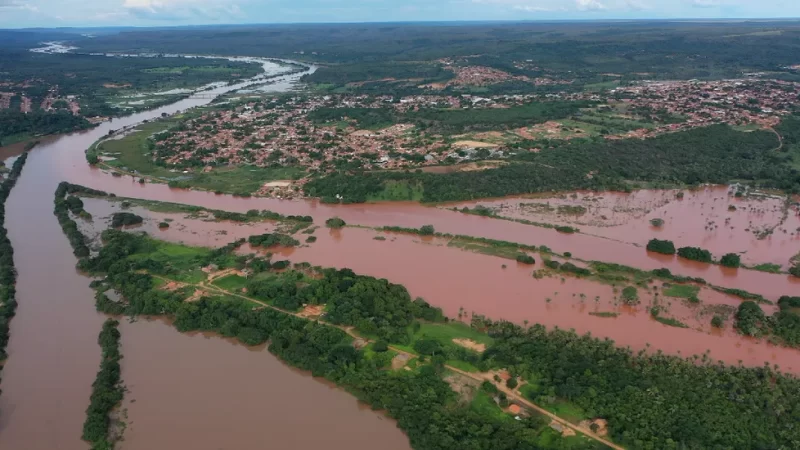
(53, 351)
(461, 282)
(702, 218)
(206, 393)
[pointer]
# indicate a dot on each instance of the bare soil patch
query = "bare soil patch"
(470, 344)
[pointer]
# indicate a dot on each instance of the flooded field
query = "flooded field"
(208, 393)
(460, 286)
(761, 228)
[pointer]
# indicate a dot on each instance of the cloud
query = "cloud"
(18, 5)
(589, 5)
(176, 10)
(705, 3)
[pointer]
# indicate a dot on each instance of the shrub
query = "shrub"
(512, 383)
(426, 230)
(525, 259)
(717, 322)
(380, 346)
(695, 254)
(749, 318)
(659, 246)
(630, 295)
(119, 219)
(163, 225)
(731, 260)
(335, 222)
(657, 222)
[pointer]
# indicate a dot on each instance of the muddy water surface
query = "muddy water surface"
(762, 228)
(203, 392)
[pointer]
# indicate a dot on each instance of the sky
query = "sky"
(87, 13)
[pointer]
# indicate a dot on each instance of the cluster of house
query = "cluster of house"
(281, 132)
(52, 100)
(701, 103)
(472, 75)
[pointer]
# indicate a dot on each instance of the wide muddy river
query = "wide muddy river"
(196, 392)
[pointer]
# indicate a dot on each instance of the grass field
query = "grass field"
(485, 405)
(486, 249)
(768, 267)
(398, 191)
(446, 332)
(233, 283)
(682, 291)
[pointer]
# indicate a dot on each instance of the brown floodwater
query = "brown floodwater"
(710, 217)
(53, 354)
(456, 281)
(203, 392)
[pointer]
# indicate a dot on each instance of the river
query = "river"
(54, 354)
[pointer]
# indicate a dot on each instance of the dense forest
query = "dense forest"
(715, 154)
(662, 50)
(654, 401)
(39, 123)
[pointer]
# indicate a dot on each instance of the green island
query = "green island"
(305, 312)
(107, 391)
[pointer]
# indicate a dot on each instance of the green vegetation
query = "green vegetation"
(272, 239)
(8, 274)
(783, 327)
(14, 124)
(335, 222)
(107, 389)
(525, 259)
(731, 260)
(768, 267)
(659, 246)
(630, 295)
(120, 219)
(604, 314)
(695, 254)
(682, 290)
(717, 321)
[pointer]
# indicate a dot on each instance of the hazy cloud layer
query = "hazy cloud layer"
(23, 13)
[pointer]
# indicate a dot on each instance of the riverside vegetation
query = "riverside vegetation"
(107, 390)
(558, 367)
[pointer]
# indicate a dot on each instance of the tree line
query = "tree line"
(107, 389)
